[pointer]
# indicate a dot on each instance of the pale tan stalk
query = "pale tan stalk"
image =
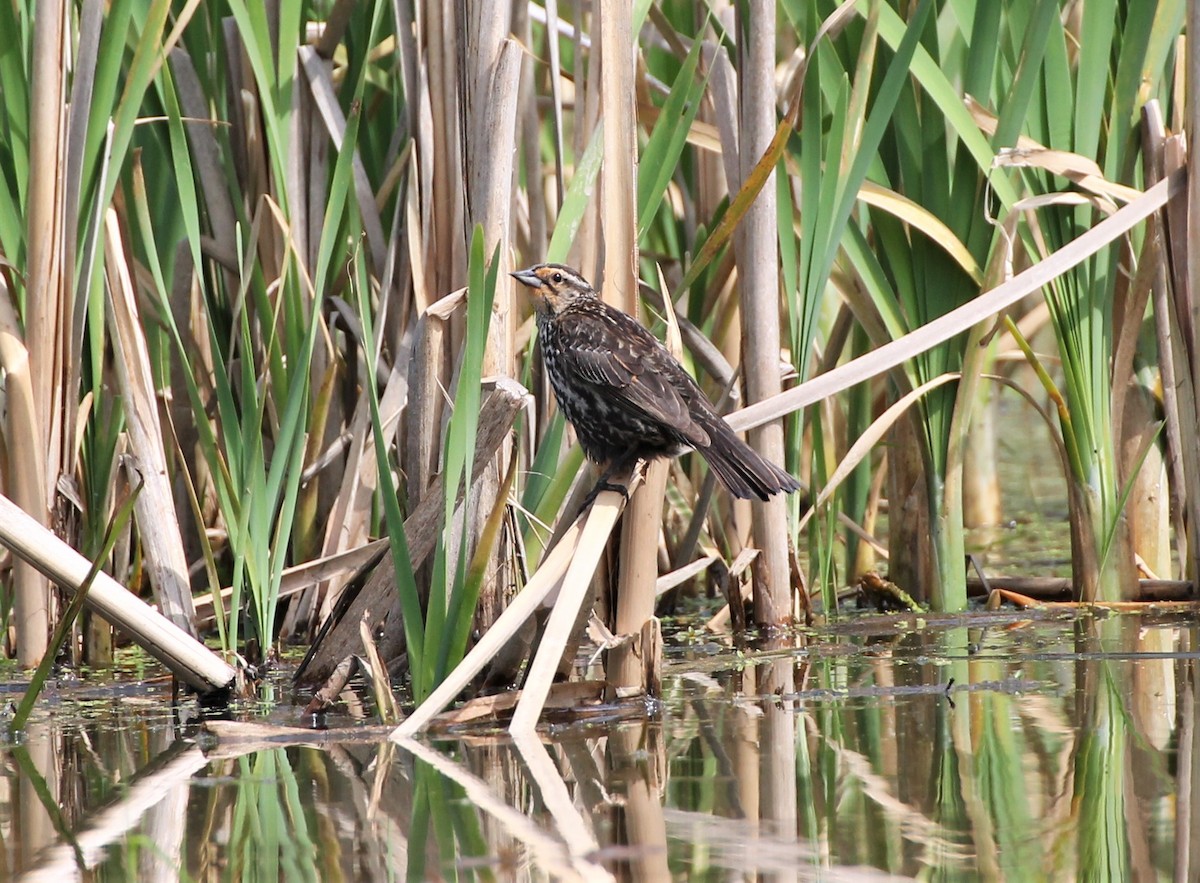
(490, 94)
(530, 235)
(187, 658)
(26, 464)
(350, 518)
(637, 569)
(618, 176)
(638, 566)
(575, 582)
(1191, 295)
(585, 538)
(1183, 463)
(894, 353)
(637, 579)
(157, 522)
(445, 257)
(586, 253)
(758, 283)
(556, 100)
(48, 306)
(320, 82)
(736, 514)
(429, 364)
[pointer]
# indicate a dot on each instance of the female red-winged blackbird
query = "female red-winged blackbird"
(627, 397)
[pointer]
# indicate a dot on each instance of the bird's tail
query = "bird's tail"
(740, 468)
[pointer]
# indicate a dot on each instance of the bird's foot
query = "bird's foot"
(605, 485)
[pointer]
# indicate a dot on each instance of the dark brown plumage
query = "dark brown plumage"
(626, 396)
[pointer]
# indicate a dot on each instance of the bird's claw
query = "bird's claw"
(605, 485)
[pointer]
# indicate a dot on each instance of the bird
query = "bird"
(628, 398)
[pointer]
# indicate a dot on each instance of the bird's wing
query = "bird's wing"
(613, 351)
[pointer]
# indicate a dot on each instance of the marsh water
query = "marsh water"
(1010, 745)
(1004, 745)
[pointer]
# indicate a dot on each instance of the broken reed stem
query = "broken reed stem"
(339, 636)
(637, 588)
(188, 659)
(584, 539)
(599, 521)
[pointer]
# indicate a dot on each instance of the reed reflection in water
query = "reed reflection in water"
(989, 747)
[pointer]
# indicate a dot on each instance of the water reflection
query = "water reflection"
(998, 749)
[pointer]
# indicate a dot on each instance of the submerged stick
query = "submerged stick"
(998, 596)
(187, 658)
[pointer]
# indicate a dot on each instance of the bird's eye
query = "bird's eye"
(556, 278)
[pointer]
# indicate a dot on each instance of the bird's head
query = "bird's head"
(554, 286)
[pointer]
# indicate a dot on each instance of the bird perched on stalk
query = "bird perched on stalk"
(627, 397)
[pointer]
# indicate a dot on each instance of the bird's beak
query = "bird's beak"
(527, 277)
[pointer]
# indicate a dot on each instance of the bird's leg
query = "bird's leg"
(603, 483)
